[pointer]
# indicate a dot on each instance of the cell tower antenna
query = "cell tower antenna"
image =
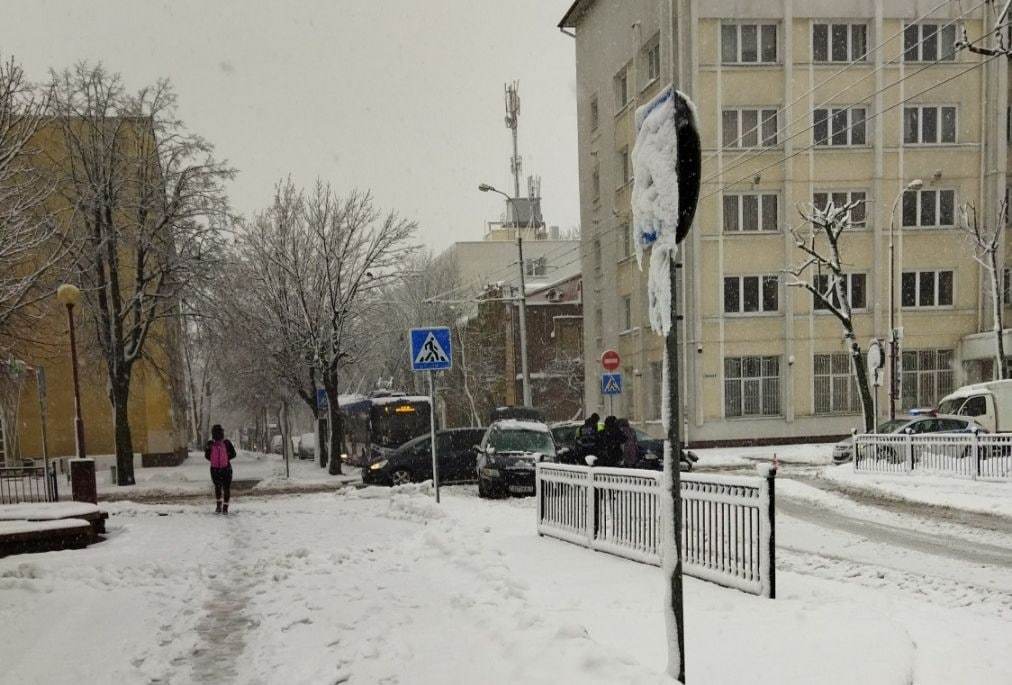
(512, 120)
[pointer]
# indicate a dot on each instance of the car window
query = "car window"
(975, 406)
(523, 441)
(925, 426)
(951, 425)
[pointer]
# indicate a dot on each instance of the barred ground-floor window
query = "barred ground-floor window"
(835, 386)
(751, 386)
(926, 378)
(656, 389)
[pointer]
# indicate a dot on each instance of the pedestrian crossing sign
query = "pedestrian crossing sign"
(611, 384)
(431, 349)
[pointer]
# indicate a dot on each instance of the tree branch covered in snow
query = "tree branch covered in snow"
(987, 245)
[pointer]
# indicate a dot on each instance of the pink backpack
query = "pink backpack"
(219, 455)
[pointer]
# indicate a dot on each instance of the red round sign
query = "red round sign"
(610, 360)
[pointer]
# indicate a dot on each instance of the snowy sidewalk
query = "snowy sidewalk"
(375, 585)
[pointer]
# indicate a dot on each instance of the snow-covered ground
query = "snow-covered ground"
(986, 497)
(815, 453)
(192, 477)
(379, 585)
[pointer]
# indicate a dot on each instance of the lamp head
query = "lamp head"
(68, 294)
(484, 187)
(915, 184)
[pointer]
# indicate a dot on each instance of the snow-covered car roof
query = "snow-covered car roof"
(520, 425)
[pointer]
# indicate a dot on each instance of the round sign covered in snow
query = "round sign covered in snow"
(610, 360)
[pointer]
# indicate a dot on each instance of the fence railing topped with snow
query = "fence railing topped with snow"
(20, 484)
(985, 456)
(728, 526)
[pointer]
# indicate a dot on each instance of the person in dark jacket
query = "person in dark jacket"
(587, 439)
(220, 452)
(630, 445)
(611, 442)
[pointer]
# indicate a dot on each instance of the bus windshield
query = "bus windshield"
(394, 423)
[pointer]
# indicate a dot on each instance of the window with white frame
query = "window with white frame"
(623, 165)
(855, 289)
(748, 43)
(652, 60)
(627, 323)
(926, 289)
(751, 212)
(835, 390)
(929, 42)
(839, 42)
(748, 127)
(656, 386)
(841, 198)
(929, 125)
(929, 208)
(840, 126)
(926, 377)
(751, 294)
(622, 88)
(538, 266)
(751, 386)
(598, 327)
(595, 113)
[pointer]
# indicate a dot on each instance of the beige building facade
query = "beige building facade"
(799, 102)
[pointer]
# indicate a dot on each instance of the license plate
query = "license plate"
(522, 489)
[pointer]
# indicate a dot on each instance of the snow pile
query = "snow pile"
(45, 511)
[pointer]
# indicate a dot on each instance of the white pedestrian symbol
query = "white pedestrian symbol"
(611, 385)
(431, 352)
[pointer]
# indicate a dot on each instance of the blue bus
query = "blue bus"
(379, 424)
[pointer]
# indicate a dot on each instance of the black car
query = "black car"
(507, 454)
(651, 450)
(412, 461)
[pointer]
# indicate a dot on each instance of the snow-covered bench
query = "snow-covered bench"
(49, 525)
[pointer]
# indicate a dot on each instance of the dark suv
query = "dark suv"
(412, 461)
(507, 454)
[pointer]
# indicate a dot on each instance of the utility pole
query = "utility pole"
(524, 371)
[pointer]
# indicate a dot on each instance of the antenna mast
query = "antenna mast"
(512, 118)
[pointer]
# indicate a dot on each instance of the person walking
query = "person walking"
(220, 452)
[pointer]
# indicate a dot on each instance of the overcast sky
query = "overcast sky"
(401, 96)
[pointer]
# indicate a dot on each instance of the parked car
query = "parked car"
(412, 461)
(915, 425)
(651, 450)
(306, 448)
(507, 454)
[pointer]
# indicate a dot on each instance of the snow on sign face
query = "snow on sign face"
(666, 169)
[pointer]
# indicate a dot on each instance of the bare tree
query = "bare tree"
(147, 205)
(824, 276)
(987, 245)
(30, 244)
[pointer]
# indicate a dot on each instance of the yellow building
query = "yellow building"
(798, 102)
(157, 409)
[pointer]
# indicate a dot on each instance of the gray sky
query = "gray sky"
(401, 96)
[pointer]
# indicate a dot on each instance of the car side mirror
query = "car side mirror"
(590, 459)
(489, 450)
(563, 451)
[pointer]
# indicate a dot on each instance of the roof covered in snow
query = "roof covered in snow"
(518, 425)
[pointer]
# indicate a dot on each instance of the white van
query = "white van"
(989, 403)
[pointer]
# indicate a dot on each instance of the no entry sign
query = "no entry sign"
(610, 360)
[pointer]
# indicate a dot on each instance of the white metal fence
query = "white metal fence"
(728, 526)
(985, 456)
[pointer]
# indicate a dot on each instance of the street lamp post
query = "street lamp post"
(525, 373)
(69, 295)
(915, 184)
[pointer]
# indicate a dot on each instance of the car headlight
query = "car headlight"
(490, 473)
(376, 466)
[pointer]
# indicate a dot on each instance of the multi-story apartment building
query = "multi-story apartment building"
(799, 102)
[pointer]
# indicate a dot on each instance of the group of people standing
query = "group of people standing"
(612, 443)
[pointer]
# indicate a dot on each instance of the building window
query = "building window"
(627, 322)
(929, 125)
(926, 377)
(835, 386)
(929, 42)
(929, 208)
(855, 289)
(751, 294)
(625, 239)
(741, 127)
(623, 165)
(839, 42)
(595, 113)
(597, 255)
(751, 386)
(595, 182)
(926, 289)
(841, 198)
(598, 329)
(536, 267)
(748, 43)
(751, 212)
(840, 126)
(622, 88)
(656, 386)
(652, 57)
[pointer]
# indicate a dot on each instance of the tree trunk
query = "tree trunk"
(861, 374)
(119, 395)
(336, 425)
(996, 310)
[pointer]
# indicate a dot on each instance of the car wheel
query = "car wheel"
(400, 477)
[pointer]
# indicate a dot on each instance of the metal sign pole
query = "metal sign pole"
(432, 428)
(673, 467)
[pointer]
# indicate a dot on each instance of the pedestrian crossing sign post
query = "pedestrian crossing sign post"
(611, 383)
(431, 351)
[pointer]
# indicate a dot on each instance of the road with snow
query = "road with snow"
(381, 586)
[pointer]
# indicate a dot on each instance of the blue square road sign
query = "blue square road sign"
(431, 349)
(611, 384)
